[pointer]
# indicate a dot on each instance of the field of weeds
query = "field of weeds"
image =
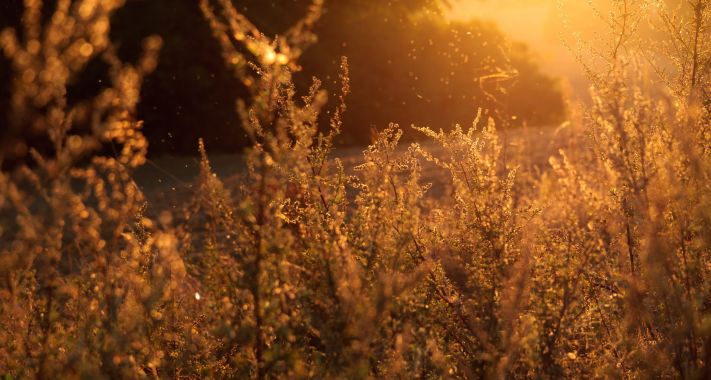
(575, 251)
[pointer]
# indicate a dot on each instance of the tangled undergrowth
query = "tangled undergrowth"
(598, 267)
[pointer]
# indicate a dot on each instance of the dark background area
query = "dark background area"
(408, 65)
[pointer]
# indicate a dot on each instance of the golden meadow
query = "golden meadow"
(594, 264)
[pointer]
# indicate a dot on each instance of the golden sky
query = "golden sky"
(540, 24)
(522, 19)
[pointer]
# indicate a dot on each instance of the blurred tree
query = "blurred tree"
(408, 65)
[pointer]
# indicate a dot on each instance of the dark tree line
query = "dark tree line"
(408, 65)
